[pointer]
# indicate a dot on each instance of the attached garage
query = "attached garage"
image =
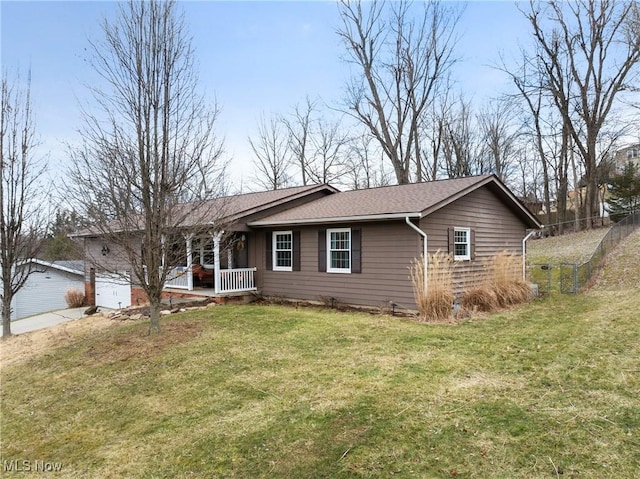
(113, 291)
(46, 286)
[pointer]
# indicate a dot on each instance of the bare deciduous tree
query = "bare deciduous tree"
(272, 154)
(499, 135)
(402, 59)
(22, 218)
(365, 167)
(150, 158)
(299, 129)
(459, 142)
(587, 56)
(329, 143)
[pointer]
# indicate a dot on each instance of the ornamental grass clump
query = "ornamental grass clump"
(480, 298)
(501, 285)
(508, 284)
(74, 298)
(435, 302)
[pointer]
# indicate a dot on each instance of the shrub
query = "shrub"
(507, 281)
(435, 301)
(74, 298)
(500, 286)
(480, 298)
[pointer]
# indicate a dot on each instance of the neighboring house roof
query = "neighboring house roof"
(412, 200)
(73, 267)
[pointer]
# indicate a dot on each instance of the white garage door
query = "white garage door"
(44, 291)
(113, 291)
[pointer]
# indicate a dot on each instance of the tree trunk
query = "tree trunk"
(592, 182)
(577, 195)
(6, 316)
(154, 313)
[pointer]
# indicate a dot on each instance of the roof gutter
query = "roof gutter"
(424, 249)
(337, 219)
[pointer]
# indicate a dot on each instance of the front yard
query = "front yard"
(546, 390)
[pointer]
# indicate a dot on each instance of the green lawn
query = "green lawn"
(547, 390)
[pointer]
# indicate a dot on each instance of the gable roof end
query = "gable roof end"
(395, 202)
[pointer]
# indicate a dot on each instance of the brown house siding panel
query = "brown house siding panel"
(495, 228)
(386, 253)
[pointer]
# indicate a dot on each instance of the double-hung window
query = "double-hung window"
(283, 251)
(461, 244)
(339, 250)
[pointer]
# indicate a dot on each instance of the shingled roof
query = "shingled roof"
(234, 207)
(224, 210)
(413, 200)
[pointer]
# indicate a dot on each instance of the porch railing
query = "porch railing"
(237, 280)
(178, 277)
(231, 280)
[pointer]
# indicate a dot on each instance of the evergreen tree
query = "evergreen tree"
(625, 192)
(59, 245)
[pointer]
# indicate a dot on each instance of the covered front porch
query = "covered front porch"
(215, 264)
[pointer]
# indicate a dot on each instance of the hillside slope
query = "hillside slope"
(568, 248)
(621, 269)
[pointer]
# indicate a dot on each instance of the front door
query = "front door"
(241, 251)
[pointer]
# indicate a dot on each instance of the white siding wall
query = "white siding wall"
(44, 291)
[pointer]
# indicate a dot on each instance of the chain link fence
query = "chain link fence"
(541, 275)
(570, 278)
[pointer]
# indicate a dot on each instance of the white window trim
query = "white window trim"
(338, 270)
(465, 257)
(275, 251)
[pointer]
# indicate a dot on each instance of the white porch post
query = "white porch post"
(229, 258)
(189, 262)
(216, 261)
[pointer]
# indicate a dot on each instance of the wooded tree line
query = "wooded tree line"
(575, 83)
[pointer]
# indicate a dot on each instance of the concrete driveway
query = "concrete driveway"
(45, 320)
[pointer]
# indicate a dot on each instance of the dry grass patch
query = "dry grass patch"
(31, 345)
(141, 346)
(621, 269)
(568, 248)
(435, 298)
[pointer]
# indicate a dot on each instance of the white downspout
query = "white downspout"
(424, 249)
(524, 255)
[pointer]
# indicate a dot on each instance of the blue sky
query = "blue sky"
(253, 57)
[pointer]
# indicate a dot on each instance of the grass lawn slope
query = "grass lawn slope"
(550, 389)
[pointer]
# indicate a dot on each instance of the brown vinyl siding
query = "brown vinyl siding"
(387, 246)
(496, 228)
(387, 251)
